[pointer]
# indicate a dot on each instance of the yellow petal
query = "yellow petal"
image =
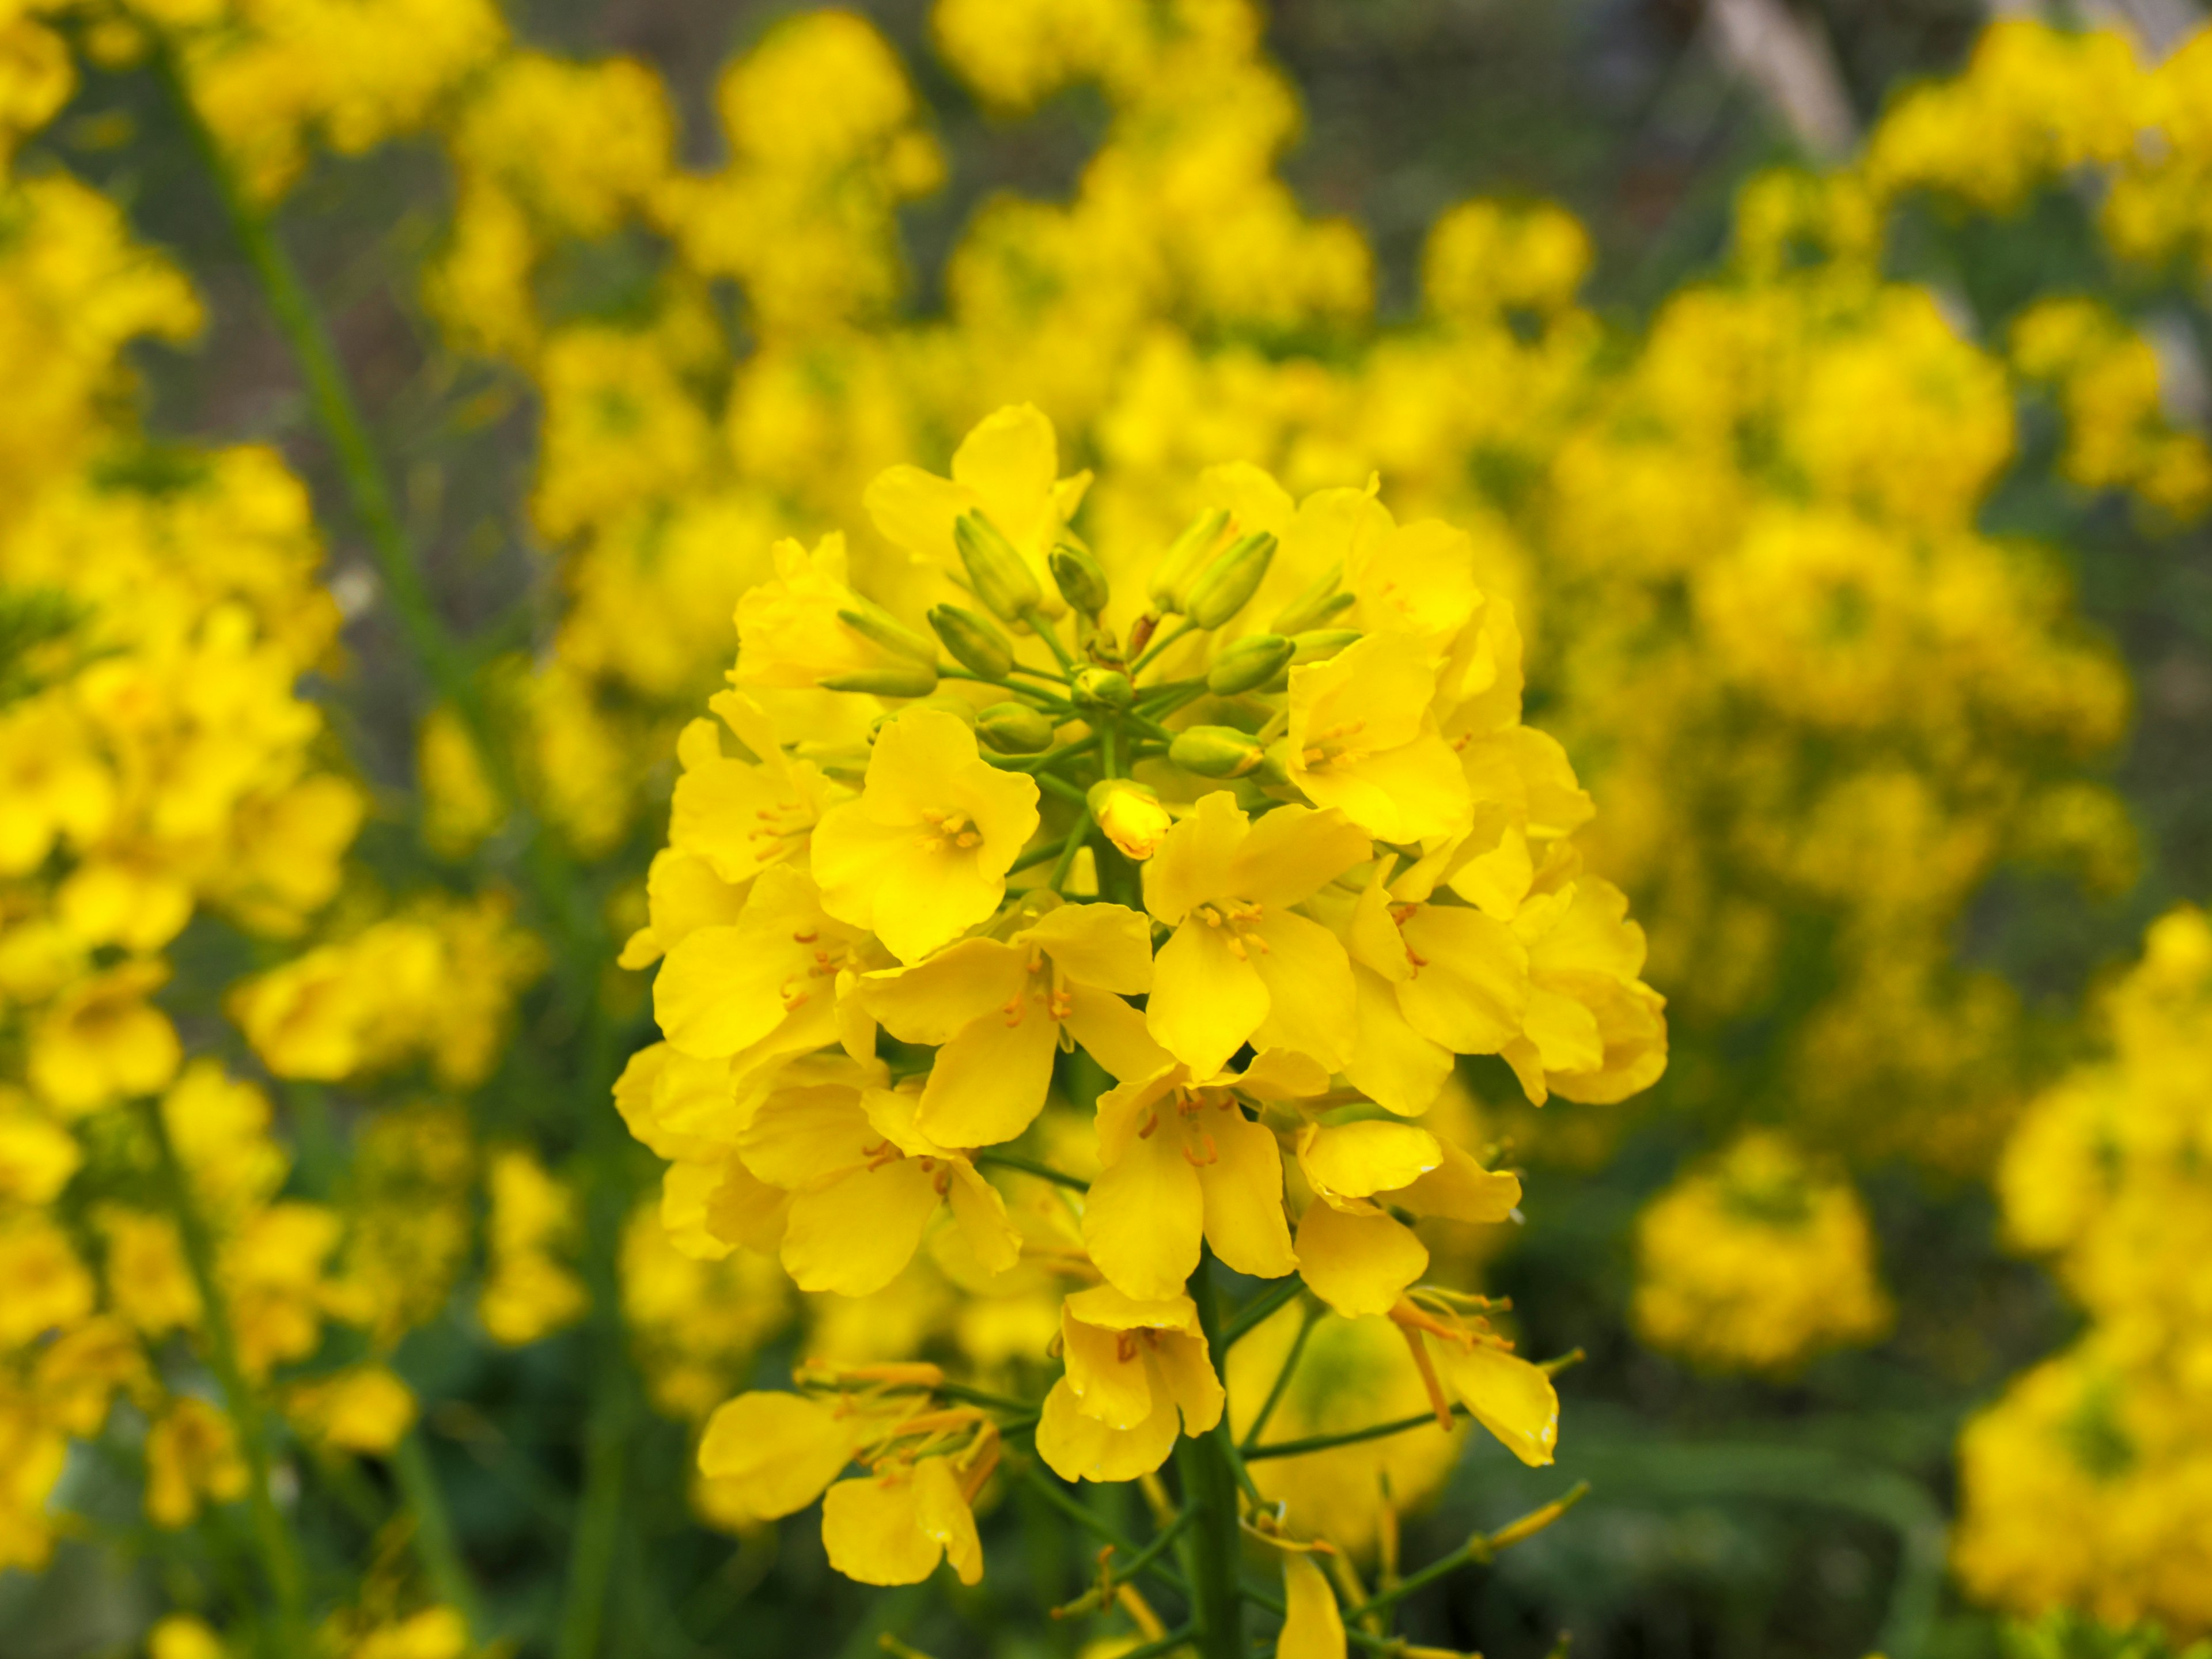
(1197, 860)
(1358, 1160)
(994, 1243)
(934, 1000)
(943, 1515)
(1312, 999)
(1243, 1196)
(1113, 1033)
(857, 1234)
(1293, 851)
(1461, 1189)
(800, 1137)
(780, 1449)
(1077, 1447)
(1205, 1000)
(871, 1528)
(1106, 1374)
(1009, 460)
(1564, 1031)
(989, 1082)
(1391, 1063)
(1145, 1217)
(1313, 1628)
(1186, 1376)
(1106, 945)
(1509, 1396)
(1472, 985)
(914, 511)
(1357, 1264)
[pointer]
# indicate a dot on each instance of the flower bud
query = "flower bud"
(1315, 606)
(1247, 663)
(1216, 751)
(1227, 585)
(1013, 728)
(898, 680)
(1081, 583)
(1103, 687)
(1131, 815)
(975, 643)
(1319, 644)
(870, 623)
(1274, 767)
(1002, 579)
(1181, 560)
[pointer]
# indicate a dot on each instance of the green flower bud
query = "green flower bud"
(975, 643)
(1002, 579)
(1247, 663)
(1216, 751)
(1227, 585)
(1316, 606)
(1013, 728)
(1319, 644)
(873, 624)
(1081, 583)
(916, 679)
(1103, 687)
(1182, 561)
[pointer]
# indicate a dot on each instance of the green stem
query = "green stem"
(433, 1532)
(1479, 1550)
(968, 1396)
(1260, 1308)
(1282, 1381)
(286, 1583)
(1045, 631)
(1110, 764)
(1030, 1166)
(1069, 848)
(1035, 694)
(1061, 786)
(1209, 1489)
(1326, 1441)
(1049, 1489)
(1168, 1643)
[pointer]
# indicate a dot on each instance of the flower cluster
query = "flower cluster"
(2106, 1174)
(1247, 827)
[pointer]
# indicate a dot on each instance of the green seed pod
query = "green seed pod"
(1002, 579)
(870, 623)
(1319, 644)
(975, 643)
(901, 680)
(1314, 607)
(1081, 583)
(1013, 728)
(1103, 687)
(1183, 557)
(1216, 751)
(1227, 585)
(1247, 663)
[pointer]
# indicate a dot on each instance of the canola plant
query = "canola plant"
(1070, 774)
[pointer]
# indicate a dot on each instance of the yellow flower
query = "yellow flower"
(893, 1527)
(1005, 469)
(1313, 1625)
(192, 1455)
(923, 853)
(1182, 1164)
(365, 1409)
(792, 632)
(52, 786)
(1001, 1012)
(100, 1041)
(37, 1155)
(1593, 1031)
(1512, 1398)
(1242, 966)
(865, 1182)
(1362, 739)
(1136, 1370)
(742, 814)
(771, 1454)
(1352, 1253)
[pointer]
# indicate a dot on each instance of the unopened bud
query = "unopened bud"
(1247, 663)
(1013, 728)
(1103, 687)
(895, 637)
(1319, 644)
(1183, 558)
(1131, 815)
(1317, 605)
(1081, 583)
(1216, 751)
(975, 643)
(905, 679)
(1002, 579)
(1227, 585)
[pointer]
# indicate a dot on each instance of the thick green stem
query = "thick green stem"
(433, 1532)
(1209, 1483)
(286, 1583)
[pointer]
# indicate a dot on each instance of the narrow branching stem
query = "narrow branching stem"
(1253, 1313)
(1030, 1166)
(1478, 1551)
(280, 1563)
(1325, 1441)
(1159, 644)
(1069, 848)
(1282, 1382)
(1045, 631)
